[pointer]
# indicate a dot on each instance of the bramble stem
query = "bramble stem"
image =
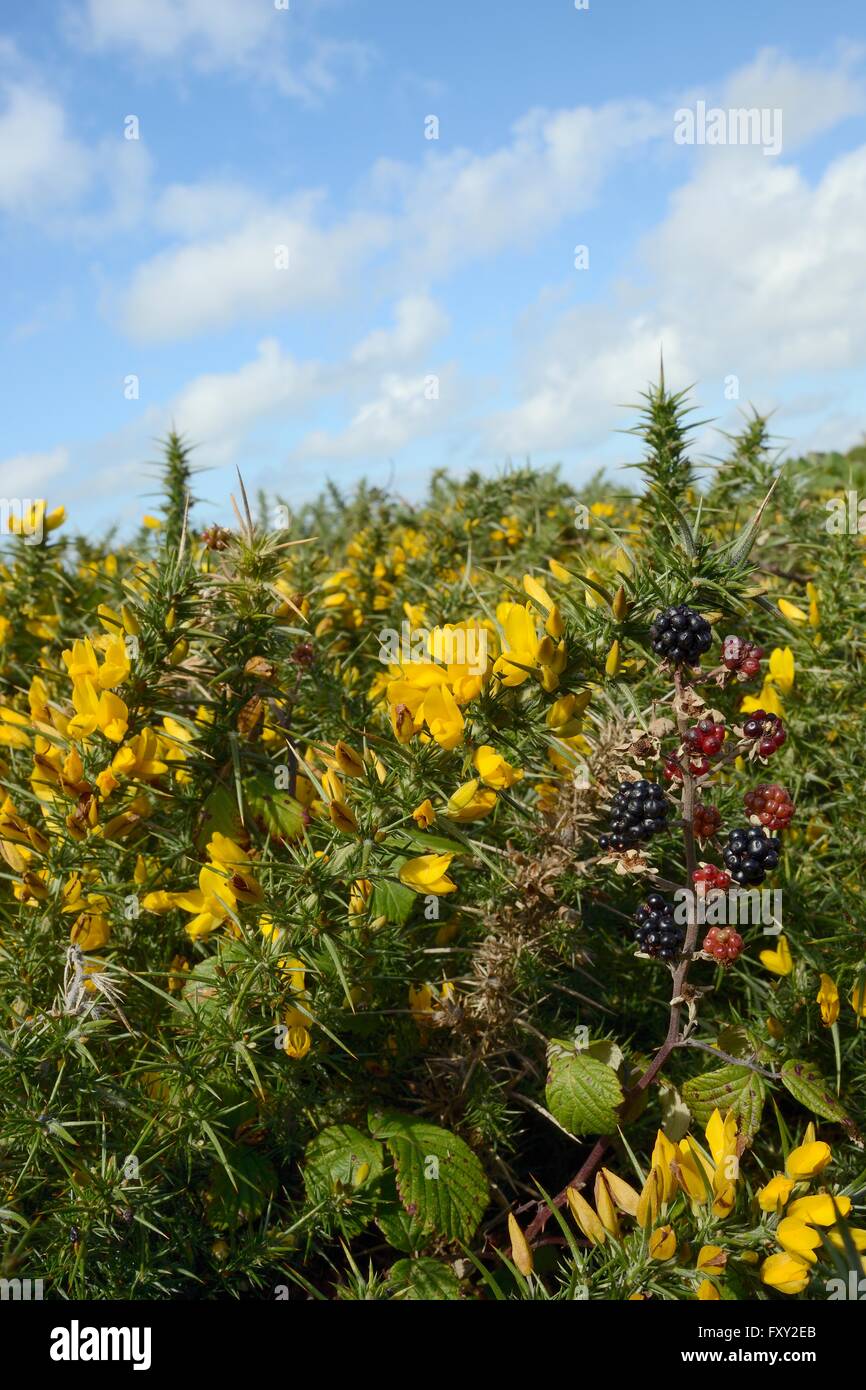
(680, 977)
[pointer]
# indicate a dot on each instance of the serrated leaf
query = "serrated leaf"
(727, 1088)
(607, 1051)
(808, 1086)
(739, 1041)
(343, 1162)
(402, 1231)
(440, 1181)
(424, 1280)
(338, 1155)
(582, 1093)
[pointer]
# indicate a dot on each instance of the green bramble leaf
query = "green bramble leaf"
(808, 1086)
(440, 1182)
(727, 1088)
(402, 1231)
(424, 1280)
(344, 1165)
(583, 1093)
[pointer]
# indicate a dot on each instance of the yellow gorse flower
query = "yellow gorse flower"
(779, 961)
(828, 999)
(493, 769)
(470, 802)
(428, 874)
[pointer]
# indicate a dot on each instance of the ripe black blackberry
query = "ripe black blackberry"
(638, 812)
(681, 635)
(658, 934)
(750, 854)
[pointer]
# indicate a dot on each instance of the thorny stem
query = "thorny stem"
(726, 1057)
(680, 977)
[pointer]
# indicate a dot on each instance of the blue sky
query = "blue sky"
(430, 312)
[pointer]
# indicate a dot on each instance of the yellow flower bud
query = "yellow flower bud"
(520, 1251)
(586, 1218)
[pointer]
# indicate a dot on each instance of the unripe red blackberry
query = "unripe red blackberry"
(724, 944)
(658, 934)
(681, 635)
(706, 821)
(772, 805)
(708, 879)
(741, 656)
(698, 767)
(750, 855)
(705, 737)
(767, 729)
(638, 812)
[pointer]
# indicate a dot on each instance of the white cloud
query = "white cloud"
(436, 216)
(459, 207)
(218, 408)
(419, 322)
(219, 30)
(812, 99)
(26, 475)
(239, 274)
(754, 272)
(449, 211)
(404, 409)
(41, 164)
(45, 168)
(252, 37)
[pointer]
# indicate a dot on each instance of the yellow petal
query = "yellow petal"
(662, 1243)
(817, 1210)
(808, 1160)
(785, 1273)
(774, 1194)
(790, 610)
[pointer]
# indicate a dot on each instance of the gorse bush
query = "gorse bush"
(345, 948)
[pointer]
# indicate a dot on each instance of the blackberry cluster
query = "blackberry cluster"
(681, 635)
(639, 811)
(750, 854)
(723, 944)
(767, 729)
(772, 805)
(657, 933)
(706, 821)
(741, 656)
(705, 739)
